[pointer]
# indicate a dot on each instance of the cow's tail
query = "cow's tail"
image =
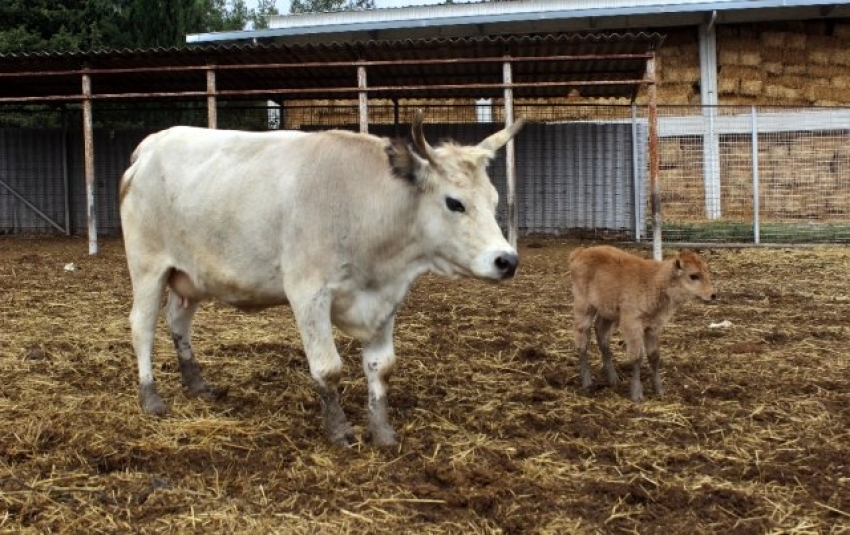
(127, 178)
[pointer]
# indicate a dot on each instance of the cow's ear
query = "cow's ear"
(678, 265)
(405, 163)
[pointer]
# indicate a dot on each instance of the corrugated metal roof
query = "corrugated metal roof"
(423, 68)
(522, 17)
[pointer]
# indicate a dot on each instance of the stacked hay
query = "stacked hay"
(805, 177)
(680, 179)
(677, 69)
(736, 187)
(790, 63)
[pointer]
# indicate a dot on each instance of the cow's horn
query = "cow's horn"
(423, 149)
(498, 140)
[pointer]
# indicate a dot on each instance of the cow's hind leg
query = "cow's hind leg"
(604, 327)
(378, 361)
(147, 293)
(179, 316)
(313, 315)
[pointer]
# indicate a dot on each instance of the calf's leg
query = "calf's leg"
(583, 319)
(633, 334)
(604, 327)
(148, 286)
(651, 343)
(378, 362)
(178, 315)
(312, 309)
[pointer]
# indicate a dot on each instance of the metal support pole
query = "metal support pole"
(510, 157)
(636, 175)
(212, 107)
(88, 145)
(655, 196)
(66, 176)
(363, 99)
(755, 164)
(710, 138)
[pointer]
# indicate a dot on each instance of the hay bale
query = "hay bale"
(841, 56)
(674, 93)
(751, 87)
(728, 56)
(670, 154)
(686, 73)
(822, 92)
(728, 86)
(820, 71)
(820, 57)
(773, 39)
(796, 41)
(781, 92)
(750, 57)
(841, 31)
(772, 67)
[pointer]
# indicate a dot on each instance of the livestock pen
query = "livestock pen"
(497, 436)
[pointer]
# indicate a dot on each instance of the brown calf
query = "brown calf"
(611, 286)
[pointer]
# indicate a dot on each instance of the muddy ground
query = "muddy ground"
(753, 435)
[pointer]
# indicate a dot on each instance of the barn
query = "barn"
(751, 140)
(498, 436)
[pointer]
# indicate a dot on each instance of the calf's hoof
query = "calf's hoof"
(150, 401)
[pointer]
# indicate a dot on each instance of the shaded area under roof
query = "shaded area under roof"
(595, 65)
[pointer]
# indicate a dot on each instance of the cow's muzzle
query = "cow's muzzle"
(506, 265)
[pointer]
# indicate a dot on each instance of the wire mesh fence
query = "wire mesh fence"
(727, 174)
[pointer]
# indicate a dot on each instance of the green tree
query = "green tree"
(312, 6)
(79, 25)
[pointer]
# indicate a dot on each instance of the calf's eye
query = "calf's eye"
(455, 205)
(695, 277)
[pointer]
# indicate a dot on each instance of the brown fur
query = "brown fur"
(612, 287)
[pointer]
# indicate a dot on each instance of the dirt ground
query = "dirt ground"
(753, 435)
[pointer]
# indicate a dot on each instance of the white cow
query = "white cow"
(337, 224)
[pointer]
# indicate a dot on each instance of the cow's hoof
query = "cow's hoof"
(383, 437)
(341, 435)
(150, 401)
(586, 382)
(209, 392)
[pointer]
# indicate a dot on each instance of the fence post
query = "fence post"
(655, 195)
(755, 164)
(363, 99)
(88, 152)
(636, 174)
(510, 163)
(212, 107)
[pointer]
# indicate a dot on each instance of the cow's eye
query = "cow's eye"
(455, 205)
(695, 277)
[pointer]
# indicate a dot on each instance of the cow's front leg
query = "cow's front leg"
(378, 362)
(313, 315)
(178, 315)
